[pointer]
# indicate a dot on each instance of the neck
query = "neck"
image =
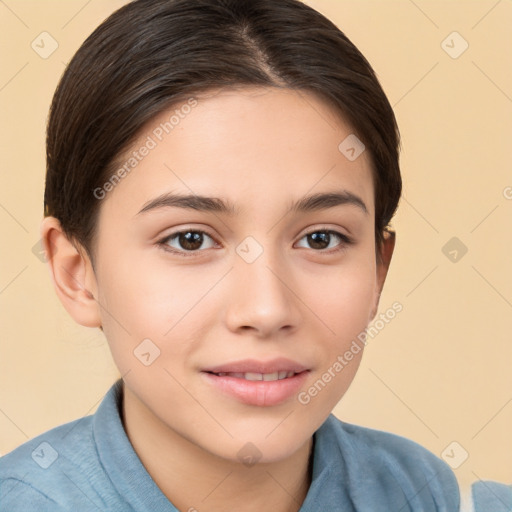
(194, 479)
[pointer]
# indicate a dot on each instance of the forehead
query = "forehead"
(251, 143)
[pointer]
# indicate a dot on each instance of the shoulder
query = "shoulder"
(395, 452)
(491, 496)
(397, 464)
(17, 495)
(42, 473)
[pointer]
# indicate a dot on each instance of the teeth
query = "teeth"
(258, 376)
(253, 376)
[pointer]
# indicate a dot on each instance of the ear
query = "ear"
(385, 252)
(72, 274)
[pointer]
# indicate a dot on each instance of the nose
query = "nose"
(262, 298)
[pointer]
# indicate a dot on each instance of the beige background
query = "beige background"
(441, 371)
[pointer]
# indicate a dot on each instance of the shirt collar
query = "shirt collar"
(121, 462)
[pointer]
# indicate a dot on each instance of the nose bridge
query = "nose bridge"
(262, 298)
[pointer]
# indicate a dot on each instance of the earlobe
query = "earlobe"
(71, 273)
(385, 254)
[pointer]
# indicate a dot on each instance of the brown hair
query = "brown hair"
(151, 54)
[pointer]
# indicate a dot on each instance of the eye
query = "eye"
(186, 241)
(323, 239)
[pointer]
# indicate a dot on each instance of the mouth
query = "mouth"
(262, 384)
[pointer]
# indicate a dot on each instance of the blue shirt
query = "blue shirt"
(89, 464)
(491, 497)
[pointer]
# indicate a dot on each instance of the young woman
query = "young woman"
(221, 175)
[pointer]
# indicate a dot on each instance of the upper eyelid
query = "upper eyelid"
(345, 239)
(186, 230)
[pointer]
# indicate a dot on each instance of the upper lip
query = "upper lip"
(255, 366)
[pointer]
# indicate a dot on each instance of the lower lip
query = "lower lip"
(263, 393)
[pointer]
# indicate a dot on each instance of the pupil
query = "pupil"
(191, 242)
(319, 240)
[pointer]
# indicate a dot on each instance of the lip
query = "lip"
(255, 366)
(259, 393)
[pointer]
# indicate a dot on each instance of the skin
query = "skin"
(261, 149)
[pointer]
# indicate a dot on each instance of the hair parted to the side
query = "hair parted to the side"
(152, 54)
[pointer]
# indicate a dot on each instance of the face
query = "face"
(227, 316)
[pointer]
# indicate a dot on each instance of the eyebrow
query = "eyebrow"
(315, 202)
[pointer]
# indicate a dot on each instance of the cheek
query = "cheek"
(344, 296)
(145, 297)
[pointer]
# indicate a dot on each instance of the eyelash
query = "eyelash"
(345, 241)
